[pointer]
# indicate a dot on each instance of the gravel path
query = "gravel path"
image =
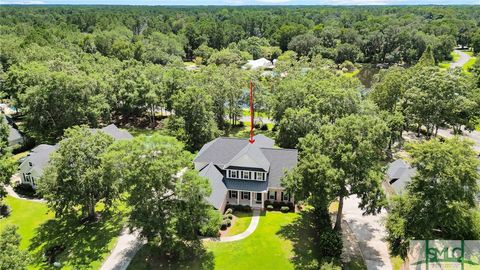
(370, 234)
(462, 60)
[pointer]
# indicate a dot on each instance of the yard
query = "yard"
(240, 223)
(264, 249)
(85, 246)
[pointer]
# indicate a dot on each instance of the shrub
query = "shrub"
(210, 226)
(228, 216)
(25, 190)
(224, 225)
(291, 206)
(267, 202)
(285, 209)
(269, 207)
(229, 222)
(229, 211)
(276, 205)
(264, 127)
(5, 210)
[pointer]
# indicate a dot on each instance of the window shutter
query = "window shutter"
(282, 197)
(275, 195)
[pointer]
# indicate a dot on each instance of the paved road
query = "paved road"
(370, 233)
(127, 246)
(462, 60)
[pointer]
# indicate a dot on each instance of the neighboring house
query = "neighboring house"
(399, 174)
(31, 169)
(261, 63)
(14, 136)
(244, 173)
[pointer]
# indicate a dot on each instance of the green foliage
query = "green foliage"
(229, 57)
(7, 163)
(294, 125)
(342, 159)
(169, 205)
(440, 200)
(214, 220)
(193, 121)
(11, 256)
(74, 176)
(427, 59)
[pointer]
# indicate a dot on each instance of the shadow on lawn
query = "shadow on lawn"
(79, 244)
(151, 257)
(313, 239)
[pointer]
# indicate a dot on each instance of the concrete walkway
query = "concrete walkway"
(127, 246)
(12, 193)
(251, 228)
(370, 234)
(462, 59)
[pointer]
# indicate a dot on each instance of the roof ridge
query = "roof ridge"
(283, 149)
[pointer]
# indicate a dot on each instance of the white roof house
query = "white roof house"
(261, 63)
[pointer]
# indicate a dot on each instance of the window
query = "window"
(246, 175)
(285, 196)
(30, 163)
(246, 195)
(232, 194)
(271, 195)
(233, 174)
(259, 197)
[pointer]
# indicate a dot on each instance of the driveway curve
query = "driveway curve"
(251, 228)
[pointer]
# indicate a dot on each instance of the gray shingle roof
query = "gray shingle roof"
(40, 155)
(115, 132)
(14, 135)
(249, 157)
(221, 150)
(400, 173)
(280, 161)
(219, 191)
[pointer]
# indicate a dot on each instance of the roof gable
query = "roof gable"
(250, 157)
(219, 191)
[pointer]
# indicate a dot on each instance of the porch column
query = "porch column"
(238, 197)
(251, 198)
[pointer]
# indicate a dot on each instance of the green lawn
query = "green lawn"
(469, 64)
(446, 64)
(352, 73)
(28, 216)
(264, 249)
(85, 245)
(397, 263)
(241, 223)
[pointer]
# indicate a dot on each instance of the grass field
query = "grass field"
(446, 64)
(85, 246)
(241, 223)
(264, 249)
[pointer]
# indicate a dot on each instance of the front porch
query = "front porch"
(250, 198)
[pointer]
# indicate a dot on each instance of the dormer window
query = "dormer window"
(246, 175)
(30, 163)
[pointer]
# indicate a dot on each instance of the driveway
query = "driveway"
(462, 60)
(370, 233)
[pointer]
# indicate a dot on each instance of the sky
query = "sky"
(245, 2)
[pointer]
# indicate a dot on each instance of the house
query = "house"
(261, 63)
(241, 172)
(15, 138)
(31, 169)
(399, 174)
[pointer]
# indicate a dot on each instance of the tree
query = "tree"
(166, 198)
(388, 88)
(194, 116)
(295, 125)
(11, 257)
(341, 160)
(439, 202)
(7, 163)
(74, 174)
(286, 32)
(302, 44)
(348, 52)
(427, 59)
(229, 57)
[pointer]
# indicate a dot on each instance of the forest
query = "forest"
(351, 88)
(64, 65)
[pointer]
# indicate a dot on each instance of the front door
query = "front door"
(259, 198)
